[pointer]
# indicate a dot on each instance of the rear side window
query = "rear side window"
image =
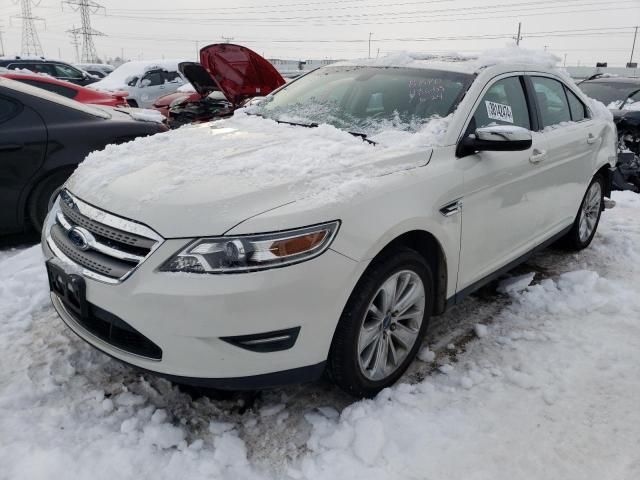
(59, 89)
(552, 101)
(45, 68)
(172, 77)
(503, 104)
(578, 110)
(65, 71)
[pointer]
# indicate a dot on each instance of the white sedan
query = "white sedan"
(319, 231)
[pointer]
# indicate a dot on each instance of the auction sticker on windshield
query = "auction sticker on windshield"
(498, 111)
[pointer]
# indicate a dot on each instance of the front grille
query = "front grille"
(115, 331)
(107, 247)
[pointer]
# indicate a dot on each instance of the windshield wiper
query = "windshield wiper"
(307, 125)
(363, 136)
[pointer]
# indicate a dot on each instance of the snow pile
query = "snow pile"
(146, 115)
(118, 79)
(324, 162)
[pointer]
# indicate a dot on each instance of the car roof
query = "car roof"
(19, 59)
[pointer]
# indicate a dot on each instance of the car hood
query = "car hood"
(238, 72)
(203, 180)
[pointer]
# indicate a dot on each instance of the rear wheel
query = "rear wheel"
(588, 218)
(38, 205)
(383, 324)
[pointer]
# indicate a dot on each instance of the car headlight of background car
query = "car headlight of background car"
(245, 253)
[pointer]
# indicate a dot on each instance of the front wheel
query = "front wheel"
(586, 222)
(383, 324)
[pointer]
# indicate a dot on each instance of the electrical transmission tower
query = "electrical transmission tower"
(30, 41)
(86, 8)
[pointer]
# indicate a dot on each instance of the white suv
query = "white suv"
(253, 251)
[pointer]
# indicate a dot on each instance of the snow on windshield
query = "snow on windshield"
(118, 79)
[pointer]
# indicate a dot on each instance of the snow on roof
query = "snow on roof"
(461, 62)
(117, 79)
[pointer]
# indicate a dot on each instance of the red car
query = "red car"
(70, 90)
(237, 72)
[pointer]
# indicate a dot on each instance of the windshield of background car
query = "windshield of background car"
(53, 97)
(368, 99)
(608, 93)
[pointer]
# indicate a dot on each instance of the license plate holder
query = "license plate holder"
(69, 288)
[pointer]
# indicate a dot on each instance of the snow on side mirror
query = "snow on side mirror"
(496, 138)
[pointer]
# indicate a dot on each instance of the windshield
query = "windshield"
(608, 93)
(53, 97)
(367, 99)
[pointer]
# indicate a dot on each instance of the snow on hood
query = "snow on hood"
(229, 170)
(117, 80)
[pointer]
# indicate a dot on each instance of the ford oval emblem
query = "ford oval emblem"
(80, 238)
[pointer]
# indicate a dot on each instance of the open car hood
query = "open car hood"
(202, 82)
(238, 72)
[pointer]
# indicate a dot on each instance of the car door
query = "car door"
(152, 86)
(502, 195)
(23, 144)
(571, 139)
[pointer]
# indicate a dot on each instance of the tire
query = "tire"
(588, 218)
(347, 363)
(38, 205)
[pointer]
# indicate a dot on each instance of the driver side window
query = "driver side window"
(503, 104)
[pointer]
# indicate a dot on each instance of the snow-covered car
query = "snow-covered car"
(622, 96)
(320, 230)
(145, 81)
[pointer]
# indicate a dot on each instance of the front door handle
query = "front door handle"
(537, 156)
(10, 147)
(591, 139)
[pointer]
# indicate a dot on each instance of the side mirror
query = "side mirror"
(497, 138)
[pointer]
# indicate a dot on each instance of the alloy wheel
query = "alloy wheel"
(590, 211)
(391, 325)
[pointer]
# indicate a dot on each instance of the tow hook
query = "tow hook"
(609, 204)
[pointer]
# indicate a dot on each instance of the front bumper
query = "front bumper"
(187, 315)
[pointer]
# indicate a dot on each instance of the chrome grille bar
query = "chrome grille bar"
(105, 247)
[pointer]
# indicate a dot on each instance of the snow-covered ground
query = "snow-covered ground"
(538, 382)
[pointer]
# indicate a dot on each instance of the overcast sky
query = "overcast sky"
(585, 30)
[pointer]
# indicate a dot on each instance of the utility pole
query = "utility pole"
(86, 8)
(518, 37)
(565, 60)
(370, 44)
(633, 47)
(30, 41)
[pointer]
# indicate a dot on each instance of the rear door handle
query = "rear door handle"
(10, 147)
(591, 139)
(538, 156)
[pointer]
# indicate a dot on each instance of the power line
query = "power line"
(86, 8)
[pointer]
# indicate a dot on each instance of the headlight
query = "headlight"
(245, 253)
